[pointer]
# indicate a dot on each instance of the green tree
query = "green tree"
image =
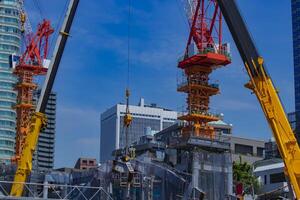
(242, 173)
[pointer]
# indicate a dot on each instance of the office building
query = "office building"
(10, 36)
(147, 119)
(85, 163)
(270, 174)
(43, 159)
(296, 39)
(244, 149)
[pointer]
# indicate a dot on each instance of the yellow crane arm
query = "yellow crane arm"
(286, 141)
(262, 86)
(38, 121)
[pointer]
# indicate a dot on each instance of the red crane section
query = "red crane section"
(204, 53)
(30, 64)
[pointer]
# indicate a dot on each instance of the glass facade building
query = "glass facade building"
(147, 119)
(10, 37)
(296, 39)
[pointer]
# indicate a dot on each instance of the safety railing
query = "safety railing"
(55, 191)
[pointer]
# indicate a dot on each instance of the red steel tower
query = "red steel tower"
(31, 64)
(204, 53)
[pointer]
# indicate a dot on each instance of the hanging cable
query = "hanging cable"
(128, 43)
(39, 8)
(56, 29)
(127, 116)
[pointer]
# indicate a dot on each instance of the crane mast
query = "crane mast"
(38, 120)
(204, 53)
(31, 64)
(262, 86)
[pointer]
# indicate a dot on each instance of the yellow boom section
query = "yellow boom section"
(38, 121)
(286, 141)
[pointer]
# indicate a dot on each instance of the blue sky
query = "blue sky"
(92, 75)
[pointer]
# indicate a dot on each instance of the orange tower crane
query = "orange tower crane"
(204, 53)
(31, 64)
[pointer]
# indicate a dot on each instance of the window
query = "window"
(265, 179)
(243, 149)
(260, 151)
(277, 178)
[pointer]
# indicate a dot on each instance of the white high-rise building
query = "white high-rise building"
(147, 119)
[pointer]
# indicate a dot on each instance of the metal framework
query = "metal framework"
(58, 191)
(30, 65)
(204, 53)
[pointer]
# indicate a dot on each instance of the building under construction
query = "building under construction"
(185, 161)
(159, 172)
(188, 160)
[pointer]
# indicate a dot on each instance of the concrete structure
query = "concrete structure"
(208, 161)
(270, 174)
(296, 38)
(10, 36)
(43, 159)
(147, 119)
(249, 150)
(85, 163)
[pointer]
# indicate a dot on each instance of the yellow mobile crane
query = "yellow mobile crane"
(38, 120)
(262, 86)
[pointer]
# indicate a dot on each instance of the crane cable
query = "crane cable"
(127, 116)
(56, 28)
(39, 8)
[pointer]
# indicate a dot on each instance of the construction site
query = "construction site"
(188, 155)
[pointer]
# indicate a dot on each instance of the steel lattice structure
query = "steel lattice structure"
(204, 53)
(30, 65)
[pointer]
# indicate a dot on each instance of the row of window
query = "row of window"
(7, 123)
(275, 178)
(6, 104)
(144, 115)
(6, 152)
(7, 113)
(247, 150)
(10, 20)
(6, 85)
(169, 119)
(7, 133)
(9, 29)
(8, 94)
(9, 11)
(6, 143)
(7, 47)
(9, 38)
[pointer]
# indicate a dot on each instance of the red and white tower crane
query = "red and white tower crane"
(30, 64)
(204, 52)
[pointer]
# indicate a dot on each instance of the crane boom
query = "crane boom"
(262, 86)
(38, 120)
